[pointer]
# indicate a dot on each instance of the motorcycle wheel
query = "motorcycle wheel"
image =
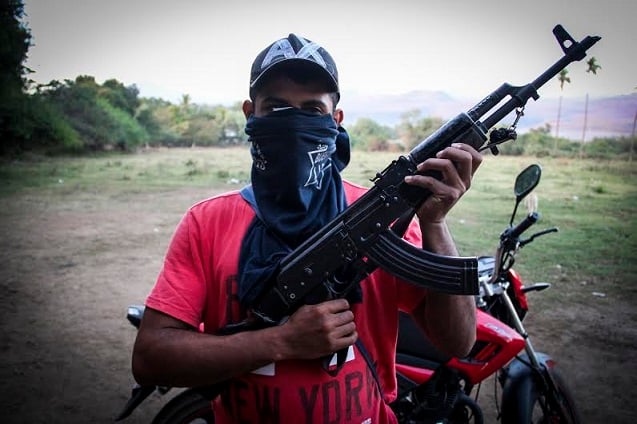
(187, 407)
(533, 412)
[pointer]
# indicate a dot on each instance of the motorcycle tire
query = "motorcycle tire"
(529, 395)
(187, 407)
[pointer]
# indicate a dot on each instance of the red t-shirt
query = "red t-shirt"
(198, 283)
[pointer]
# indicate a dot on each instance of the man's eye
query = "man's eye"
(314, 110)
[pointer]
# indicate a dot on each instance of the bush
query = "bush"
(538, 142)
(607, 148)
(51, 129)
(32, 123)
(125, 132)
(367, 134)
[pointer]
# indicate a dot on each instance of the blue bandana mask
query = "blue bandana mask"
(296, 188)
(295, 177)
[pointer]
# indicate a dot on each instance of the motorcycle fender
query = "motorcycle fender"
(519, 382)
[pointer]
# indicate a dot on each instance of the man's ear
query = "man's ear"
(338, 116)
(248, 108)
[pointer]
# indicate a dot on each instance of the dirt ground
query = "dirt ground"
(71, 262)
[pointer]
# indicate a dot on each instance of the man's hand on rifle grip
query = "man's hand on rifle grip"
(315, 331)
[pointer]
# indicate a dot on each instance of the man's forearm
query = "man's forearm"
(183, 358)
(436, 238)
(448, 320)
(170, 352)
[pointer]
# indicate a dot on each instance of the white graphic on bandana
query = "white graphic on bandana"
(259, 159)
(285, 49)
(319, 159)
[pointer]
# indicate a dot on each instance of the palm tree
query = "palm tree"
(632, 137)
(563, 78)
(185, 101)
(592, 67)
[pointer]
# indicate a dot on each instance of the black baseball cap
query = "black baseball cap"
(294, 50)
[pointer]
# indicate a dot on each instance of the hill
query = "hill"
(607, 116)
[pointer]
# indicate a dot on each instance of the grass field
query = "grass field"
(83, 237)
(594, 204)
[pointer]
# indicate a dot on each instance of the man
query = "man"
(226, 249)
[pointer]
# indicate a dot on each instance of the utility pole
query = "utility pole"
(581, 147)
(632, 140)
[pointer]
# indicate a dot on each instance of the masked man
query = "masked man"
(226, 250)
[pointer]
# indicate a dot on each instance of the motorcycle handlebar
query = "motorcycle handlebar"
(541, 233)
(516, 231)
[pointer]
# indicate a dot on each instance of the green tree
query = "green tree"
(99, 114)
(592, 67)
(233, 123)
(158, 116)
(632, 137)
(563, 78)
(203, 128)
(120, 96)
(15, 40)
(187, 124)
(413, 128)
(367, 134)
(185, 101)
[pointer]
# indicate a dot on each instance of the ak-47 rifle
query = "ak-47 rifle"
(367, 235)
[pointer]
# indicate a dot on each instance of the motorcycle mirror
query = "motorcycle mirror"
(525, 182)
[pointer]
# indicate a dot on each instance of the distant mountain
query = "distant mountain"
(607, 116)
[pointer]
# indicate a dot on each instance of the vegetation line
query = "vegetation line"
(83, 116)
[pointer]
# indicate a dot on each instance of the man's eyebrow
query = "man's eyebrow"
(316, 103)
(308, 103)
(275, 100)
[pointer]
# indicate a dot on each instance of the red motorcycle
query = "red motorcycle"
(438, 389)
(433, 388)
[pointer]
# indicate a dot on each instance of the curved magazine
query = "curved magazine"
(448, 274)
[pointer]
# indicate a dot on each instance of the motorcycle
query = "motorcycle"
(433, 388)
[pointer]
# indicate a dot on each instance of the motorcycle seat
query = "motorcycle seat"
(413, 347)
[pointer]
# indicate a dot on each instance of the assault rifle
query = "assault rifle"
(368, 234)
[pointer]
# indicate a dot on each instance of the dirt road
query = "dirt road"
(71, 261)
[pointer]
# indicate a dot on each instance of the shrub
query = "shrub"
(125, 132)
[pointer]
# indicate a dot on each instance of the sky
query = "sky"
(204, 48)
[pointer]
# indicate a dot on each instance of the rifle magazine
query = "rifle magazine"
(447, 274)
